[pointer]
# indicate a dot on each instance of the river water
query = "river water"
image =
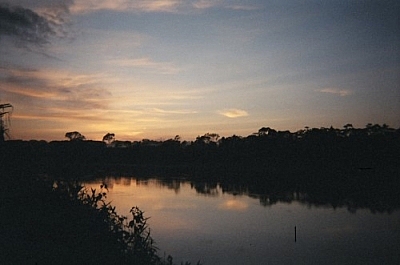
(218, 227)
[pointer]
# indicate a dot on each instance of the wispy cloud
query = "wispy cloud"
(157, 110)
(243, 7)
(171, 6)
(336, 91)
(49, 101)
(64, 116)
(203, 4)
(56, 88)
(85, 6)
(147, 63)
(233, 113)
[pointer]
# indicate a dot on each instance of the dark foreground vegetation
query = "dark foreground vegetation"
(47, 221)
(47, 218)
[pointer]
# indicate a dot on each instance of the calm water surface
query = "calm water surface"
(216, 227)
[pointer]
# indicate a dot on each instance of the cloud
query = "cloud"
(336, 91)
(233, 113)
(55, 115)
(172, 6)
(85, 6)
(54, 11)
(203, 4)
(147, 63)
(45, 99)
(28, 26)
(243, 7)
(162, 111)
(53, 88)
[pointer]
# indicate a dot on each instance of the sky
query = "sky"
(153, 69)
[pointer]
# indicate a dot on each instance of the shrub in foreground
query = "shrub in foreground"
(46, 222)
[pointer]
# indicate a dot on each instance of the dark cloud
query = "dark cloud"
(27, 25)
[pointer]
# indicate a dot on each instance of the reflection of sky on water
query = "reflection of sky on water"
(234, 205)
(228, 229)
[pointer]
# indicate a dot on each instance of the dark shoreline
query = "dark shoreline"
(329, 165)
(320, 168)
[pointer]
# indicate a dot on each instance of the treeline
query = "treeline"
(267, 154)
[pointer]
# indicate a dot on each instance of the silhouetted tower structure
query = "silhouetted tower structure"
(5, 111)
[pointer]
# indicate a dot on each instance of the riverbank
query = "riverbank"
(56, 222)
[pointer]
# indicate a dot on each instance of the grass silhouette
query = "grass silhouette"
(61, 222)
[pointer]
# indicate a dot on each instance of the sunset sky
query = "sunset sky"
(159, 68)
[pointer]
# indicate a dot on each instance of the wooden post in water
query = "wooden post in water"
(295, 235)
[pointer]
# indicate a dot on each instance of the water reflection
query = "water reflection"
(232, 224)
(375, 200)
(209, 189)
(233, 205)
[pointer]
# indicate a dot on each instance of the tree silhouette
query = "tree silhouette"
(207, 138)
(75, 136)
(266, 131)
(109, 138)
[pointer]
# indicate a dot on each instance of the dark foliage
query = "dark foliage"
(60, 222)
(339, 167)
(266, 154)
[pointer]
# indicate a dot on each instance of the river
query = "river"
(196, 221)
